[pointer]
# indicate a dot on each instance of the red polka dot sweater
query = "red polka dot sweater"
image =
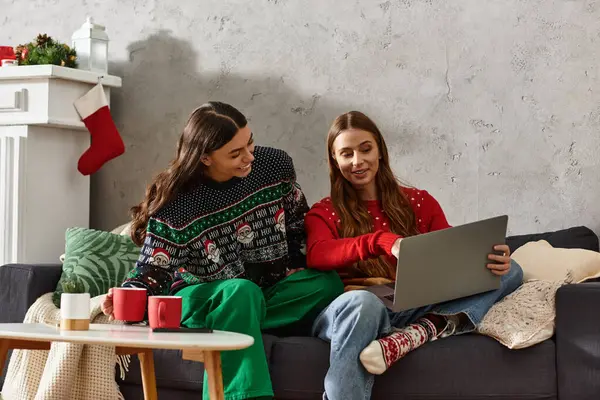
(326, 250)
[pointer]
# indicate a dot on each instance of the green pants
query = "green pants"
(239, 305)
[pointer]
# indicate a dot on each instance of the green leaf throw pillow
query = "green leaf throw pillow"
(94, 262)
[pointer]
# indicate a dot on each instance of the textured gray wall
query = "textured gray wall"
(492, 106)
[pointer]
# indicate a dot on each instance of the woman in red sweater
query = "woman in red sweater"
(357, 232)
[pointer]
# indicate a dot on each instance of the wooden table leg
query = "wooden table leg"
(148, 375)
(18, 344)
(4, 345)
(212, 365)
(147, 368)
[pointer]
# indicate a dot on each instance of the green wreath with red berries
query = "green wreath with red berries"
(45, 50)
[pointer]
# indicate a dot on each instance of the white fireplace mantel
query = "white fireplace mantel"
(41, 139)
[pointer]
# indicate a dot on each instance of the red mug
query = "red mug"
(164, 311)
(129, 304)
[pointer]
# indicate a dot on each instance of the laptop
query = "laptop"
(444, 265)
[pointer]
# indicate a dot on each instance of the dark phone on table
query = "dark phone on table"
(181, 329)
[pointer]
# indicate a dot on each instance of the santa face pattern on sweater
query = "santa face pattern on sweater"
(222, 251)
(280, 220)
(250, 228)
(245, 234)
(212, 252)
(160, 257)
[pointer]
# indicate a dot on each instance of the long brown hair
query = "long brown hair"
(208, 128)
(354, 217)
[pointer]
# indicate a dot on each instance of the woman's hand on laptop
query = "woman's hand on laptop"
(501, 264)
(396, 248)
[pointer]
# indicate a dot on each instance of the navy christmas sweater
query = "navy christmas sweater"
(249, 228)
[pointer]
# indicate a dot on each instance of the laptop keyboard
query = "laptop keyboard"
(390, 296)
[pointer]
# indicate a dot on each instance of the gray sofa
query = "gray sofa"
(469, 367)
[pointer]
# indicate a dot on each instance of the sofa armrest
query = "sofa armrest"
(21, 285)
(578, 341)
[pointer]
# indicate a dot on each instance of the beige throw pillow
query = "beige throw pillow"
(124, 229)
(526, 316)
(523, 318)
(541, 261)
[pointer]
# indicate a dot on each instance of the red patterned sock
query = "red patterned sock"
(381, 354)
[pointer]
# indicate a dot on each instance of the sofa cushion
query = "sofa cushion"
(21, 285)
(464, 367)
(577, 342)
(170, 369)
(135, 392)
(174, 372)
(95, 261)
(579, 237)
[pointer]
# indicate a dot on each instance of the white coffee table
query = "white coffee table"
(202, 347)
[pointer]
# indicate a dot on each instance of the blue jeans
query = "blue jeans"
(358, 317)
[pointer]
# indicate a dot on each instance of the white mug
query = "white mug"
(75, 311)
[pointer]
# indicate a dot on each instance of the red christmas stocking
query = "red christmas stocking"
(106, 143)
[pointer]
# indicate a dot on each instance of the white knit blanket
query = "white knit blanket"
(68, 371)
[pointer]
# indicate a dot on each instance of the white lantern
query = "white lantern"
(91, 43)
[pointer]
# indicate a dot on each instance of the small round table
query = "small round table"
(202, 347)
